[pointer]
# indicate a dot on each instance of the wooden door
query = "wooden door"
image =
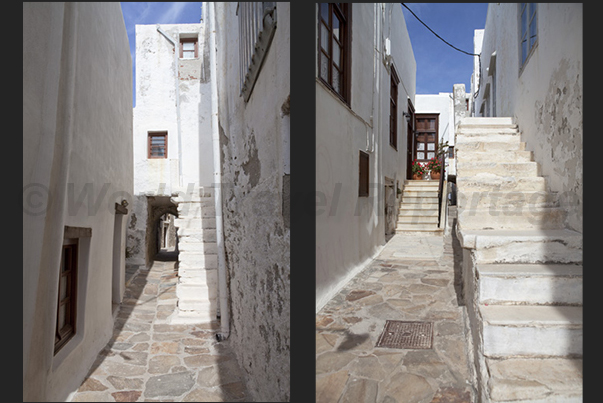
(410, 133)
(426, 137)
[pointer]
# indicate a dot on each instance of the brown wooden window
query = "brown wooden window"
(363, 174)
(393, 109)
(334, 47)
(157, 145)
(189, 48)
(66, 310)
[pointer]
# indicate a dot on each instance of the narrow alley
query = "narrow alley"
(416, 278)
(149, 360)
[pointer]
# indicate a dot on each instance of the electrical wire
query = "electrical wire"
(452, 46)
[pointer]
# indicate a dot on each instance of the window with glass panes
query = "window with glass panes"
(334, 47)
(66, 308)
(528, 20)
(157, 145)
(188, 48)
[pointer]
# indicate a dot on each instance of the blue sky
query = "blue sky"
(156, 13)
(438, 65)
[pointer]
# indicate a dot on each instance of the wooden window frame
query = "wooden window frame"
(393, 109)
(343, 12)
(69, 260)
(150, 135)
(531, 12)
(189, 40)
(363, 174)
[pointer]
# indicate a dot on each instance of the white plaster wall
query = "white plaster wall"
(156, 111)
(350, 230)
(96, 163)
(545, 100)
(443, 105)
(255, 199)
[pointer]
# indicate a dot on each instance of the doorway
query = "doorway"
(410, 136)
(426, 137)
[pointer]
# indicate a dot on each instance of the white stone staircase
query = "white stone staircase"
(521, 267)
(197, 287)
(419, 208)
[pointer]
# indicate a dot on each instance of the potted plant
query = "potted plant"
(435, 167)
(417, 170)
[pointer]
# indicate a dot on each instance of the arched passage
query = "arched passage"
(160, 224)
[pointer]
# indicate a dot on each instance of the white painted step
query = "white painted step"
(518, 169)
(510, 202)
(523, 217)
(417, 219)
(534, 284)
(536, 380)
(191, 317)
(487, 182)
(188, 291)
(503, 156)
(200, 306)
(470, 121)
(531, 331)
(420, 200)
(421, 182)
(475, 131)
(420, 210)
(420, 193)
(466, 146)
(525, 246)
(197, 260)
(417, 227)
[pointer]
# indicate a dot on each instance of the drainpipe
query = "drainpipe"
(222, 290)
(176, 54)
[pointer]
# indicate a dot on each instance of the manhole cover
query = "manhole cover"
(398, 334)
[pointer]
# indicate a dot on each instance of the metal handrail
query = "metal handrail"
(440, 187)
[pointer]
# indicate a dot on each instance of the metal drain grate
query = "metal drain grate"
(398, 334)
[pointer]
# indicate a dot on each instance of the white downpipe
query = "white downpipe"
(176, 69)
(224, 308)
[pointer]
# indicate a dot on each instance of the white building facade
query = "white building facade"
(77, 180)
(365, 87)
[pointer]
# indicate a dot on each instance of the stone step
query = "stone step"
(517, 169)
(522, 246)
(200, 247)
(478, 133)
(524, 217)
(418, 219)
(198, 275)
(202, 307)
(470, 121)
(503, 156)
(534, 284)
(191, 317)
(420, 182)
(191, 291)
(511, 139)
(408, 210)
(416, 227)
(194, 209)
(531, 331)
(532, 380)
(467, 146)
(419, 200)
(192, 213)
(487, 182)
(508, 202)
(197, 260)
(205, 235)
(419, 193)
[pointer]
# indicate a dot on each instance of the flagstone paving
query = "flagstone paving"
(413, 279)
(150, 360)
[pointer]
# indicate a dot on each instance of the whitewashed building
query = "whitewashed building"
(77, 181)
(365, 89)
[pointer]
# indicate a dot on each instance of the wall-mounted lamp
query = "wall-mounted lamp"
(407, 116)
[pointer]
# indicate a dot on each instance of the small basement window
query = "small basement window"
(157, 145)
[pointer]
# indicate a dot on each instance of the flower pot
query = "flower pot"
(435, 175)
(417, 176)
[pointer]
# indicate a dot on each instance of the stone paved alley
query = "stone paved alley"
(149, 360)
(412, 279)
